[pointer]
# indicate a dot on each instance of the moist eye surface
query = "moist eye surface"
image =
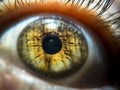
(52, 47)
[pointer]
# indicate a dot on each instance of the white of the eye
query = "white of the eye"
(9, 38)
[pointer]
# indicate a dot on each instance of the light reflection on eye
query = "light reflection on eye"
(96, 42)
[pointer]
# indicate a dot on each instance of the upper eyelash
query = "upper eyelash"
(99, 6)
(105, 4)
(113, 19)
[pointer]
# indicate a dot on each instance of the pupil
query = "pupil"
(51, 44)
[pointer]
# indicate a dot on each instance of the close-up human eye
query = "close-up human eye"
(59, 44)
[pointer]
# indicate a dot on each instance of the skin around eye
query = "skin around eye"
(99, 29)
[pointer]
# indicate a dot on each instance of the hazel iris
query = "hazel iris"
(52, 47)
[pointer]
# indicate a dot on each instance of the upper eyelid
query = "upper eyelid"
(68, 3)
(100, 14)
(103, 5)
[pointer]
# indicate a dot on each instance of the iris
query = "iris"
(53, 47)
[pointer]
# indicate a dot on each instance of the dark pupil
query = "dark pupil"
(51, 44)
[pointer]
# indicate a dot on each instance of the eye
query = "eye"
(58, 45)
(82, 20)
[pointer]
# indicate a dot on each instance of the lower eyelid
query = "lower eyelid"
(14, 78)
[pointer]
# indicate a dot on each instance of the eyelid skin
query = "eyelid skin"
(86, 17)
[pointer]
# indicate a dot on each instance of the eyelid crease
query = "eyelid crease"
(86, 17)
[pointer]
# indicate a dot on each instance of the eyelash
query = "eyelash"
(100, 7)
(105, 4)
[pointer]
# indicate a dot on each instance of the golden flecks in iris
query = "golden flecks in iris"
(1, 12)
(73, 52)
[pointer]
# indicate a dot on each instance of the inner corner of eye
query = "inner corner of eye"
(52, 46)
